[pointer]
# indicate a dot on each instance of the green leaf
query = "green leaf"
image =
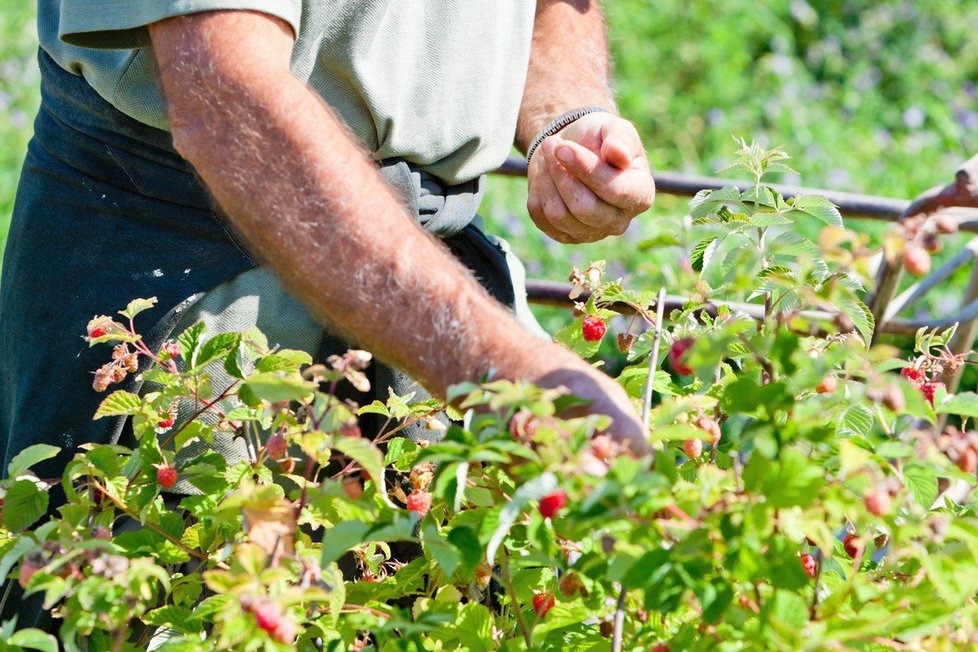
(791, 480)
(34, 639)
(23, 504)
(467, 544)
(377, 407)
(921, 479)
(118, 403)
(698, 258)
(288, 360)
(535, 489)
(710, 201)
(340, 538)
(818, 207)
(23, 546)
(180, 619)
(216, 347)
(190, 341)
(136, 306)
(366, 454)
(857, 420)
(274, 388)
(440, 550)
(964, 404)
(474, 628)
(30, 456)
(191, 431)
(860, 315)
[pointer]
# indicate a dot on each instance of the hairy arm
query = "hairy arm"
(588, 181)
(310, 202)
(569, 65)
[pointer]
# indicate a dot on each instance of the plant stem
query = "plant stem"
(619, 622)
(196, 414)
(511, 590)
(654, 356)
(152, 526)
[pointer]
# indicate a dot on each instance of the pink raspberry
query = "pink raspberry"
(693, 447)
(593, 328)
(809, 564)
(419, 503)
(276, 447)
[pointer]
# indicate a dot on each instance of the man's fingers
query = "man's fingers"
(585, 206)
(548, 210)
(631, 190)
(620, 144)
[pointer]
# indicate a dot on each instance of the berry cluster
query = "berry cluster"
(123, 362)
(918, 378)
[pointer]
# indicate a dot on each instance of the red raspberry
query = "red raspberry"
(914, 375)
(676, 353)
(853, 546)
(593, 328)
(276, 447)
(419, 502)
(553, 503)
(929, 389)
(809, 564)
(660, 647)
(166, 476)
(543, 603)
(98, 331)
(693, 448)
(166, 422)
(828, 385)
(877, 503)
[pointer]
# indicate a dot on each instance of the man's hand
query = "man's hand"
(589, 181)
(606, 397)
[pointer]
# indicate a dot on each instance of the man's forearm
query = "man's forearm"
(569, 65)
(305, 197)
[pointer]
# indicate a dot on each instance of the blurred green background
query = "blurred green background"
(875, 97)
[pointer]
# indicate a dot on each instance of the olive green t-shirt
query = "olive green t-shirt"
(437, 83)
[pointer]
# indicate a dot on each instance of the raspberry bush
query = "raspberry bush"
(806, 492)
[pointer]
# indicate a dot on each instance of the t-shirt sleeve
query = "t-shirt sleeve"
(122, 24)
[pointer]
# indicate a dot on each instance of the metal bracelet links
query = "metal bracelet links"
(559, 123)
